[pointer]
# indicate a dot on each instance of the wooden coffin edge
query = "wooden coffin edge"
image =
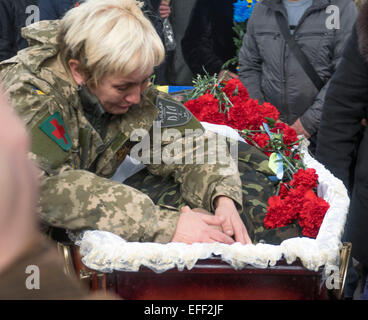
(98, 281)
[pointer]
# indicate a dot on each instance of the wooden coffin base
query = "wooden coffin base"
(211, 279)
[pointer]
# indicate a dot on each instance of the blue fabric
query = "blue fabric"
(295, 10)
(173, 89)
(55, 9)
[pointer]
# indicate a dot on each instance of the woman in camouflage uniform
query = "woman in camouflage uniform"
(82, 89)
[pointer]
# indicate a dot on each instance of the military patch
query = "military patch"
(38, 91)
(171, 113)
(54, 127)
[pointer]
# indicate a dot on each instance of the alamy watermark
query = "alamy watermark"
(333, 279)
(333, 20)
(33, 14)
(33, 280)
(195, 146)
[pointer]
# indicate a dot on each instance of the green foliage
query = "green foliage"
(211, 84)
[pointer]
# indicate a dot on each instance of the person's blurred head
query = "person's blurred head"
(18, 184)
(113, 48)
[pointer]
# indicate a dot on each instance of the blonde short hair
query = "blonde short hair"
(108, 37)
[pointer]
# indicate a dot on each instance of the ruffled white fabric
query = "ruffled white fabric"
(107, 252)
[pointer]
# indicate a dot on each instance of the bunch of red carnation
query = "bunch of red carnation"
(297, 201)
(245, 115)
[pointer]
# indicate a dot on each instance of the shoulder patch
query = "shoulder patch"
(171, 113)
(54, 127)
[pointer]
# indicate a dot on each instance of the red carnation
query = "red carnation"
(269, 111)
(312, 214)
(245, 115)
(280, 213)
(289, 134)
(262, 139)
(204, 108)
(234, 87)
(283, 192)
(306, 179)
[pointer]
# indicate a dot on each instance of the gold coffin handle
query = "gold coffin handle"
(66, 253)
(344, 263)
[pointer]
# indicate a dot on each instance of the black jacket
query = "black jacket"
(150, 9)
(55, 9)
(208, 39)
(13, 16)
(342, 144)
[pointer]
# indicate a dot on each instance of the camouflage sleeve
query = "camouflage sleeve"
(198, 161)
(78, 199)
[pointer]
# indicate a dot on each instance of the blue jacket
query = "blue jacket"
(55, 9)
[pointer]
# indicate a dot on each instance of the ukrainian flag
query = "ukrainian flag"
(173, 89)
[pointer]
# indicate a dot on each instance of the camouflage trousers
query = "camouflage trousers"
(257, 188)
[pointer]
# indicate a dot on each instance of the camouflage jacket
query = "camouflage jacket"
(66, 147)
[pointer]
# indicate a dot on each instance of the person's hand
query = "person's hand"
(164, 9)
(199, 227)
(298, 127)
(233, 224)
(229, 75)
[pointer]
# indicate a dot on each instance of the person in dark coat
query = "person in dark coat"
(151, 11)
(180, 74)
(342, 144)
(208, 39)
(13, 17)
(270, 70)
(53, 10)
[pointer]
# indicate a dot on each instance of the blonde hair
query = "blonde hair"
(108, 37)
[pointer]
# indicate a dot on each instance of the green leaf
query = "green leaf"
(271, 122)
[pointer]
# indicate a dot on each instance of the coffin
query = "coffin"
(214, 279)
(298, 268)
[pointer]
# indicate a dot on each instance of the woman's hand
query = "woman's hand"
(232, 223)
(199, 227)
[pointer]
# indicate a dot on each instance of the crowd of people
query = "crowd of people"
(79, 81)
